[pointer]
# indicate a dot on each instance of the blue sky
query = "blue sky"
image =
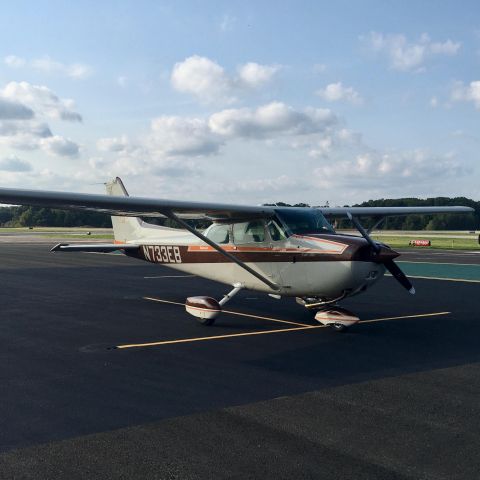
(242, 101)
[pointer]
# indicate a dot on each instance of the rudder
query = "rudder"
(124, 228)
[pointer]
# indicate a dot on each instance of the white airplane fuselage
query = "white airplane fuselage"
(327, 265)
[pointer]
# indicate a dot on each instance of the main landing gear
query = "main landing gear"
(207, 309)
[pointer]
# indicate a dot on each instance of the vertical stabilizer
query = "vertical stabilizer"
(124, 228)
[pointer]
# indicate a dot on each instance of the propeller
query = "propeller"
(390, 265)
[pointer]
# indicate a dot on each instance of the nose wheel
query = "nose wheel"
(338, 327)
(340, 319)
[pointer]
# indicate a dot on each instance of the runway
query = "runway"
(104, 375)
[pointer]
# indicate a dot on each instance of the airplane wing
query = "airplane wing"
(390, 211)
(154, 207)
(131, 206)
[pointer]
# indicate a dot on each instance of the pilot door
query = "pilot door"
(253, 245)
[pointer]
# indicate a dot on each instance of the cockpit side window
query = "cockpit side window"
(218, 233)
(249, 232)
(276, 231)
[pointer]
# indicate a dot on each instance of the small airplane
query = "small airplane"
(282, 251)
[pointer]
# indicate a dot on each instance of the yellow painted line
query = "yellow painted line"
(264, 332)
(277, 320)
(437, 314)
(217, 337)
(439, 278)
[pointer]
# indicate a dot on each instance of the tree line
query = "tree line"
(469, 221)
(24, 216)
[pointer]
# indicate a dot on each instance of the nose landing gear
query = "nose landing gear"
(337, 317)
(329, 313)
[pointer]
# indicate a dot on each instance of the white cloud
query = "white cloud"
(322, 155)
(335, 92)
(467, 93)
(210, 83)
(24, 109)
(255, 75)
(12, 110)
(434, 102)
(14, 164)
(322, 147)
(14, 62)
(390, 169)
(270, 120)
(22, 134)
(114, 144)
(407, 56)
(78, 71)
(270, 185)
(185, 139)
(98, 163)
(41, 99)
(59, 146)
(171, 136)
(203, 78)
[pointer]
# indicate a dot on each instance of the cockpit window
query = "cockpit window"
(276, 231)
(218, 233)
(302, 221)
(248, 232)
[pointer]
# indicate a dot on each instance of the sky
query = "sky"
(242, 102)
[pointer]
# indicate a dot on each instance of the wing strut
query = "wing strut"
(377, 223)
(219, 249)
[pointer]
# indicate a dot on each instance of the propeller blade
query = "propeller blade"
(365, 235)
(394, 269)
(390, 265)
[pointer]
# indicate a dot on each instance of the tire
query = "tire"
(339, 327)
(205, 321)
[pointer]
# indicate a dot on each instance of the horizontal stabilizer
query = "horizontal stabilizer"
(92, 247)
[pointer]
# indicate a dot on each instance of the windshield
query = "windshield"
(302, 221)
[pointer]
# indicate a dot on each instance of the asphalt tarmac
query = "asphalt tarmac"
(263, 397)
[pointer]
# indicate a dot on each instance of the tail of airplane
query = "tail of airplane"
(124, 228)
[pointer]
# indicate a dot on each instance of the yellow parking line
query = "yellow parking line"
(264, 332)
(234, 313)
(217, 337)
(406, 316)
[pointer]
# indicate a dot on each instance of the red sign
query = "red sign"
(420, 243)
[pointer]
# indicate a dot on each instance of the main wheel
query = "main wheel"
(205, 321)
(339, 327)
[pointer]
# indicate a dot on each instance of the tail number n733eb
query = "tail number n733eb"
(162, 253)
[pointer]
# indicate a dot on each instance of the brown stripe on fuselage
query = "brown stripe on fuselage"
(355, 249)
